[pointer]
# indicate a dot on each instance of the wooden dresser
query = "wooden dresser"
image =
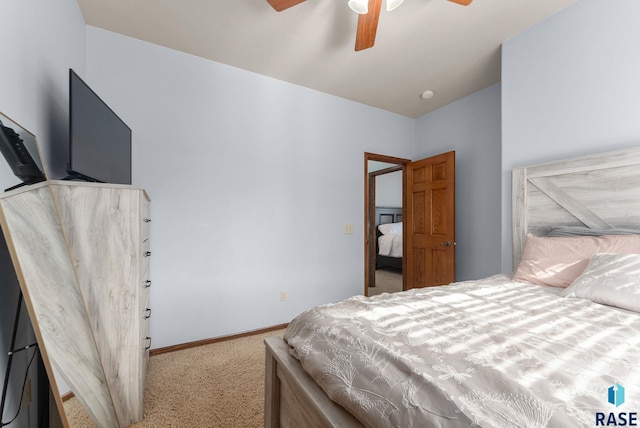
(107, 232)
(81, 251)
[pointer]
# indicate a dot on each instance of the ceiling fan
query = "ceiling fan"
(368, 14)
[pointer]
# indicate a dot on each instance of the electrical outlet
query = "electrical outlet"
(348, 229)
(26, 397)
(283, 296)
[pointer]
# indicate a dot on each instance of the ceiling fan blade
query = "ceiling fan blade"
(281, 5)
(368, 25)
(462, 2)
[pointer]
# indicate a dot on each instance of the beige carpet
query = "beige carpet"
(387, 281)
(216, 385)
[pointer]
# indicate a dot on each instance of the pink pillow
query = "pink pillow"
(558, 261)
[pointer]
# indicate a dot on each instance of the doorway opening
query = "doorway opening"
(385, 178)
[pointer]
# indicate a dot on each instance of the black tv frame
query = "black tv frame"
(73, 173)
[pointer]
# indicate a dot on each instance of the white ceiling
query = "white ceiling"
(450, 49)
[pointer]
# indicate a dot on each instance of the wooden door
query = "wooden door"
(430, 221)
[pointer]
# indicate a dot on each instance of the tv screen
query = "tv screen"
(99, 141)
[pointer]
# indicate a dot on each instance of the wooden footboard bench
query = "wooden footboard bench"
(292, 398)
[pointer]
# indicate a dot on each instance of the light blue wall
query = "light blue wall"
(471, 127)
(570, 87)
(39, 40)
(251, 180)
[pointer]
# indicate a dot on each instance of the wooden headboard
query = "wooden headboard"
(599, 191)
(386, 215)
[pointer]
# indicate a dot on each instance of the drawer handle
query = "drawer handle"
(147, 220)
(146, 348)
(147, 253)
(147, 283)
(148, 311)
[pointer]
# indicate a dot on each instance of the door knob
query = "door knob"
(445, 244)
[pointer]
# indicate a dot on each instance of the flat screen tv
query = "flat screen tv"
(99, 141)
(18, 156)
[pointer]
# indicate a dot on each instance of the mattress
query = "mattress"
(390, 245)
(490, 353)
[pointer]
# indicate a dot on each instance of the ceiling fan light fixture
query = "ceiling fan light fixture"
(359, 6)
(393, 4)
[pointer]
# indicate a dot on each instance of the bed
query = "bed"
(555, 344)
(388, 221)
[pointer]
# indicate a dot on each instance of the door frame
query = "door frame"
(369, 213)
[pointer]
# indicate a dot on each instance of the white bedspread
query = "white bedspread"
(491, 353)
(390, 245)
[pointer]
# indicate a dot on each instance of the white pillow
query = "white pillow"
(391, 228)
(611, 279)
(557, 261)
